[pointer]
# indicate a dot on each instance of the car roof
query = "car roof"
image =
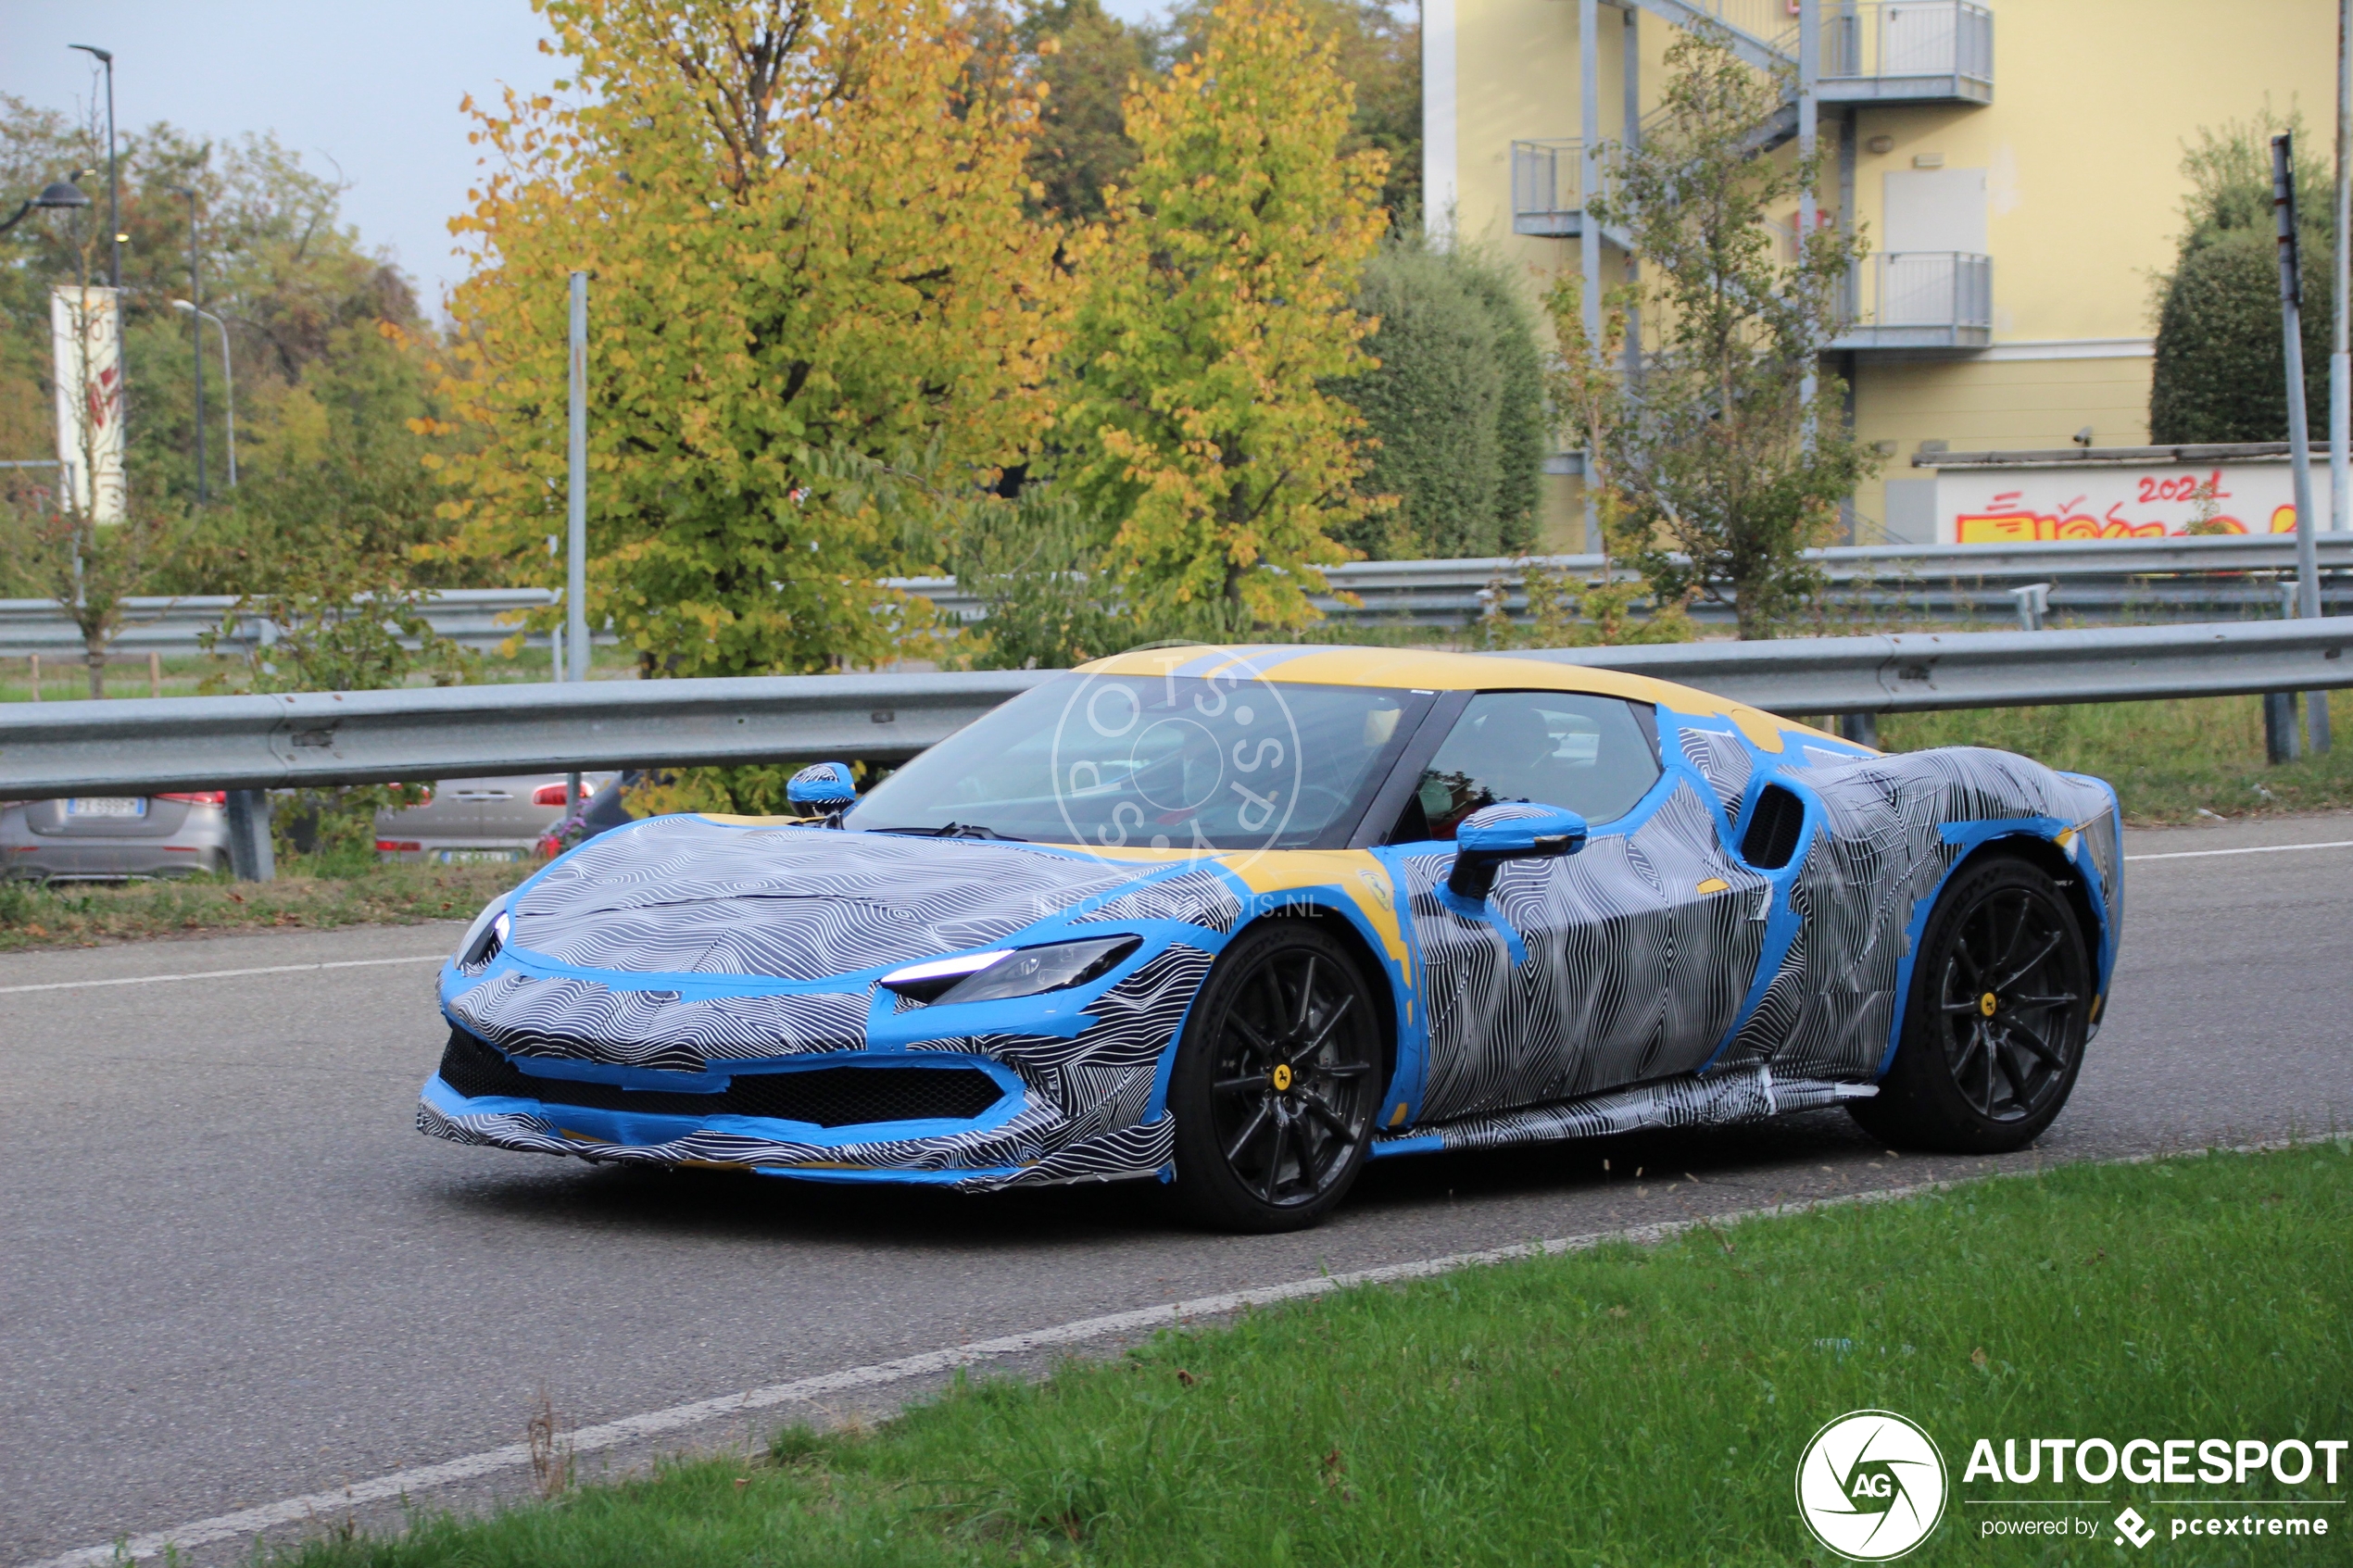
(1405, 668)
(1429, 670)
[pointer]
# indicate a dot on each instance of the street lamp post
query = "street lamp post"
(58, 194)
(114, 188)
(228, 380)
(195, 290)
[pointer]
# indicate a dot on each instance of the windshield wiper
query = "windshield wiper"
(958, 829)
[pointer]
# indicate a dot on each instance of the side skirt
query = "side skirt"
(1721, 1100)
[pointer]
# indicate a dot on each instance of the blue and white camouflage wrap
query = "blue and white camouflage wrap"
(1655, 978)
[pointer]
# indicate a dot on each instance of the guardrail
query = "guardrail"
(1924, 672)
(2168, 579)
(477, 618)
(150, 745)
(2165, 579)
(146, 745)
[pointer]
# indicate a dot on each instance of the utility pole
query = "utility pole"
(1589, 229)
(576, 540)
(1809, 110)
(196, 328)
(2308, 571)
(2340, 362)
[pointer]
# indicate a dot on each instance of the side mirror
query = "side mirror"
(1512, 831)
(823, 787)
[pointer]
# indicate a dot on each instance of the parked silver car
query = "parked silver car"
(501, 819)
(114, 837)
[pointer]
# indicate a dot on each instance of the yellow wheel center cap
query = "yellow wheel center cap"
(1282, 1078)
(1985, 1004)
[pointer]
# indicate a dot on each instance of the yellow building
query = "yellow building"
(2015, 165)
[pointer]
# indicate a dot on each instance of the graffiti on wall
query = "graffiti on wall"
(2019, 505)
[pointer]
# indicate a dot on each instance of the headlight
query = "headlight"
(485, 936)
(1000, 973)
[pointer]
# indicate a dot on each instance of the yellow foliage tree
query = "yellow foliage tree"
(805, 224)
(1197, 430)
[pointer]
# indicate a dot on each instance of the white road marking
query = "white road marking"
(653, 1424)
(221, 973)
(2253, 849)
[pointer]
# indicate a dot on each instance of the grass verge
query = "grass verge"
(2168, 761)
(1624, 1406)
(78, 914)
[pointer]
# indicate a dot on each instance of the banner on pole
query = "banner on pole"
(85, 340)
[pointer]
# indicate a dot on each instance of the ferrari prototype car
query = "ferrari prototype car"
(1240, 919)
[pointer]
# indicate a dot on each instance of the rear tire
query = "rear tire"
(1276, 1083)
(1995, 1022)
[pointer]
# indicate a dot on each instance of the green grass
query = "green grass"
(73, 914)
(1622, 1407)
(2166, 760)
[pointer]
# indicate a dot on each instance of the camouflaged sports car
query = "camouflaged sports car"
(1241, 919)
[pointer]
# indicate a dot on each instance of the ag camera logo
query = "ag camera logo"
(1871, 1485)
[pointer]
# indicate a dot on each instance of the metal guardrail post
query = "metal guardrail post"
(251, 859)
(2034, 605)
(1860, 728)
(2279, 728)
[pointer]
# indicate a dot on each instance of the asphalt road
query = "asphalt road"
(234, 1274)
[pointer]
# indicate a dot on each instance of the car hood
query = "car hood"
(679, 896)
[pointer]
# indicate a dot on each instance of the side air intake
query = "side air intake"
(1773, 828)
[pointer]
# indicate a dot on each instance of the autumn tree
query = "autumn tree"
(282, 271)
(1087, 59)
(805, 221)
(1380, 51)
(1726, 471)
(1196, 427)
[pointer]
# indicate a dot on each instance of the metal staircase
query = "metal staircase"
(1838, 54)
(1878, 53)
(1870, 51)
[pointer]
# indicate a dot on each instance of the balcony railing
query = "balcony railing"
(1921, 299)
(1890, 51)
(1548, 195)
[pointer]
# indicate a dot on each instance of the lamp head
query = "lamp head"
(61, 194)
(104, 56)
(182, 305)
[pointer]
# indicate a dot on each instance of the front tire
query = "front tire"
(1276, 1083)
(1995, 1021)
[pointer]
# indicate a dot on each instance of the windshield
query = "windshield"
(1222, 762)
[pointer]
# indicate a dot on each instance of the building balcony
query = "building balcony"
(1548, 190)
(1873, 51)
(1906, 51)
(1920, 300)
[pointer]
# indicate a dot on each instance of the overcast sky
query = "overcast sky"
(360, 85)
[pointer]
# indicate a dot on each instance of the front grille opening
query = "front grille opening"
(825, 1097)
(1773, 828)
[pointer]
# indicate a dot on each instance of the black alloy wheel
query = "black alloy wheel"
(1278, 1082)
(1997, 1017)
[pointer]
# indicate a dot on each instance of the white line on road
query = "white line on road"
(2253, 849)
(654, 1423)
(220, 974)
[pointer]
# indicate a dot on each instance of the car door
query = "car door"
(1617, 964)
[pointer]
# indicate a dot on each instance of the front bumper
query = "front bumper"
(963, 1160)
(928, 1117)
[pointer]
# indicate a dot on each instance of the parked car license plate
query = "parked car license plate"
(475, 857)
(107, 805)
